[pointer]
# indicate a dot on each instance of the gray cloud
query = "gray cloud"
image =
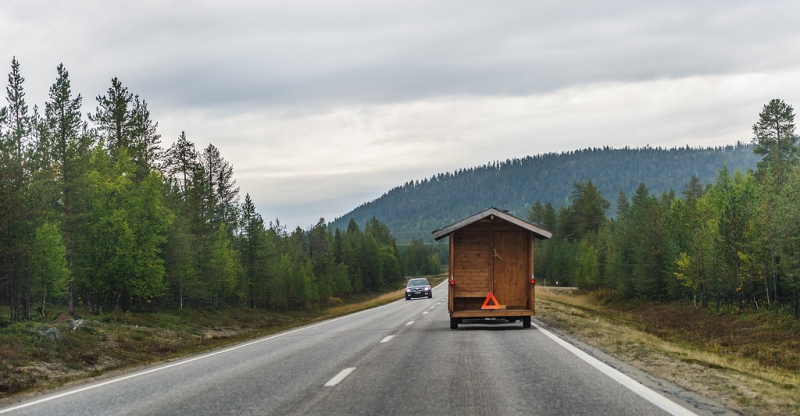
(255, 53)
(322, 105)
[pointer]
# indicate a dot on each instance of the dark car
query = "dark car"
(417, 288)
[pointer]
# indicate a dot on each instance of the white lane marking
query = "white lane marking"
(632, 385)
(116, 380)
(409, 323)
(339, 377)
(425, 313)
(387, 339)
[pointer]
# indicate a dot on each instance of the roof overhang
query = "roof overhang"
(537, 232)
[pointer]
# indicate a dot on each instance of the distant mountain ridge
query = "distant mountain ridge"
(416, 208)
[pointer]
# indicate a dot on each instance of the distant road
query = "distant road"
(398, 359)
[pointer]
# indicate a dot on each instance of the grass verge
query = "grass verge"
(41, 355)
(749, 363)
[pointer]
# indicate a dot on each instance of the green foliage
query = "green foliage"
(102, 217)
(420, 259)
(224, 268)
(49, 271)
(732, 243)
(587, 265)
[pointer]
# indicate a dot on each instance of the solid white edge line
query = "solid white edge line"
(339, 377)
(632, 385)
(116, 380)
(387, 339)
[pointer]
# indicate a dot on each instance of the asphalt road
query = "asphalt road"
(398, 359)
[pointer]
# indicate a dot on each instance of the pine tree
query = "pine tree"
(66, 133)
(16, 217)
(254, 252)
(222, 194)
(124, 122)
(774, 137)
(17, 121)
(181, 163)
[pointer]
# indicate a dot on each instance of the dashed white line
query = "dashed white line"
(409, 323)
(425, 313)
(339, 377)
(387, 339)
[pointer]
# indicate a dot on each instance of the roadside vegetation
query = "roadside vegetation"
(731, 245)
(36, 355)
(95, 215)
(748, 362)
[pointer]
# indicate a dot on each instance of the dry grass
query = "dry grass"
(696, 349)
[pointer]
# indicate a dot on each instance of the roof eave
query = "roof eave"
(537, 232)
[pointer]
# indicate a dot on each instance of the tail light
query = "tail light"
(452, 282)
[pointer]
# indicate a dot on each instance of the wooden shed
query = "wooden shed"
(491, 267)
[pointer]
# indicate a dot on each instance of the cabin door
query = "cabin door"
(510, 269)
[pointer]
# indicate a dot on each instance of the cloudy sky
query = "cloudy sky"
(323, 105)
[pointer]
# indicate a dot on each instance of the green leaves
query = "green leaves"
(48, 265)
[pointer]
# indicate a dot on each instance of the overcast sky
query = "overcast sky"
(321, 105)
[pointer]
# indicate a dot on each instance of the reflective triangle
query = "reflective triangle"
(496, 304)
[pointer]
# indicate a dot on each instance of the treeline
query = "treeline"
(416, 208)
(730, 243)
(94, 212)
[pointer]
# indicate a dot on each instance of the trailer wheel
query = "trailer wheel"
(512, 320)
(453, 323)
(526, 321)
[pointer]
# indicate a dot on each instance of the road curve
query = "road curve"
(398, 359)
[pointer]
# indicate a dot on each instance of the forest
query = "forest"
(95, 214)
(728, 244)
(416, 208)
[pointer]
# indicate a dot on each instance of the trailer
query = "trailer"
(491, 267)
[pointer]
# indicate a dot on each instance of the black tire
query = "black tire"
(512, 320)
(408, 297)
(430, 295)
(526, 321)
(453, 323)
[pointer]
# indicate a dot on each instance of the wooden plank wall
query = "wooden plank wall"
(511, 268)
(473, 268)
(472, 254)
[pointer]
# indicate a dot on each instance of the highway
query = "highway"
(398, 359)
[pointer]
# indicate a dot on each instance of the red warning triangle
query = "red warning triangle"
(494, 301)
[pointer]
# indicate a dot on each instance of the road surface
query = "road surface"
(398, 359)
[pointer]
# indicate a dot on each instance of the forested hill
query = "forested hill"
(419, 207)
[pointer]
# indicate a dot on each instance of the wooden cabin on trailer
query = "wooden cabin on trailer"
(491, 267)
